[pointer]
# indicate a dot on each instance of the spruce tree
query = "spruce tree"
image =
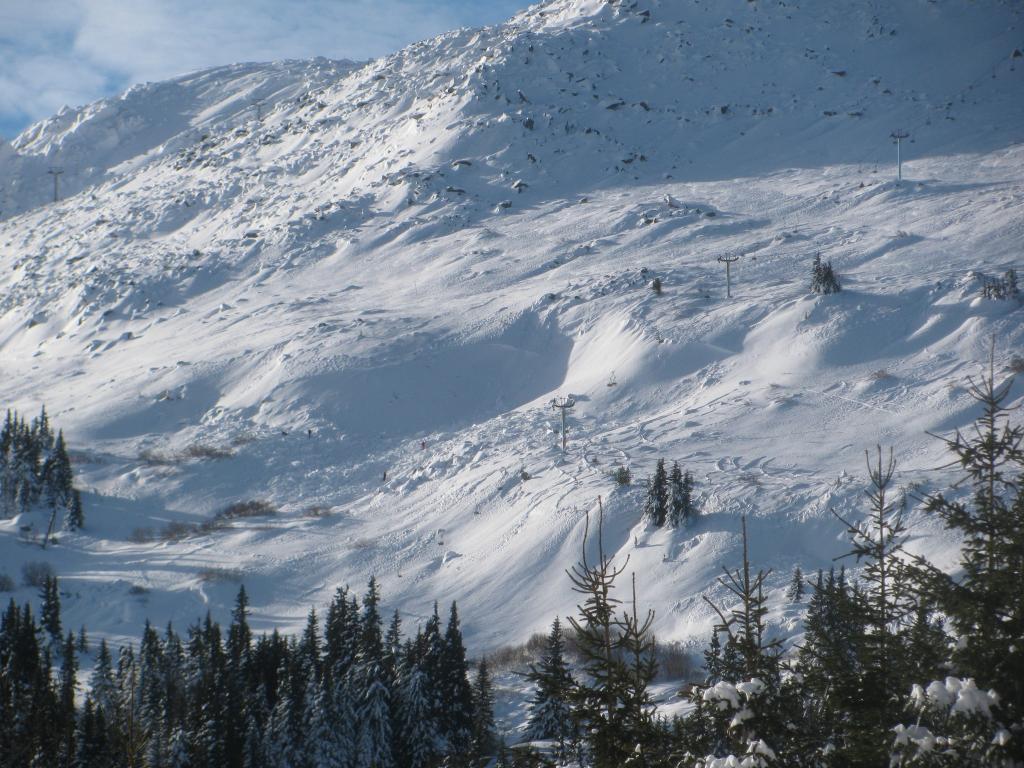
(795, 593)
(641, 667)
(484, 736)
(50, 613)
(983, 602)
(656, 504)
(886, 604)
(76, 516)
(599, 694)
(550, 714)
(677, 496)
(745, 717)
(455, 692)
(419, 735)
(68, 689)
(823, 277)
(374, 745)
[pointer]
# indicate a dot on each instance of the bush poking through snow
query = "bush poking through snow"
(35, 573)
(1002, 288)
(212, 575)
(6, 583)
(622, 476)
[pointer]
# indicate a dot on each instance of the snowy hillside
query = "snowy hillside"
(394, 267)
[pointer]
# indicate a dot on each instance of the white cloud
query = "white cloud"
(60, 52)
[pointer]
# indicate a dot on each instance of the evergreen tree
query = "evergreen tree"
(551, 715)
(374, 746)
(237, 680)
(885, 603)
(829, 671)
(76, 517)
(656, 504)
(744, 717)
(67, 713)
(984, 603)
(823, 278)
(641, 666)
(455, 692)
(484, 737)
(599, 695)
(419, 737)
(683, 507)
(795, 593)
(371, 644)
(50, 614)
(332, 743)
(92, 749)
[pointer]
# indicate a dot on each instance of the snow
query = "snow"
(959, 696)
(285, 306)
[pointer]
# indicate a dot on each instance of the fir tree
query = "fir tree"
(984, 604)
(76, 517)
(455, 692)
(419, 737)
(681, 494)
(599, 641)
(656, 505)
(374, 746)
(68, 689)
(823, 278)
(641, 666)
(50, 615)
(743, 716)
(484, 737)
(795, 593)
(551, 715)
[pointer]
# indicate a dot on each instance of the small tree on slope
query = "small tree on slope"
(823, 278)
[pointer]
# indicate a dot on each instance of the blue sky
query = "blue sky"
(56, 52)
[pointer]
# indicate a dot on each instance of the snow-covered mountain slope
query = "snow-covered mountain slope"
(393, 268)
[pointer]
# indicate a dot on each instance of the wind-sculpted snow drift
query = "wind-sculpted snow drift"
(353, 290)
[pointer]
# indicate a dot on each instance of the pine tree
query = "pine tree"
(641, 667)
(744, 716)
(681, 494)
(419, 736)
(68, 688)
(656, 505)
(886, 603)
(599, 695)
(455, 692)
(551, 715)
(484, 737)
(984, 604)
(50, 615)
(795, 593)
(823, 278)
(374, 746)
